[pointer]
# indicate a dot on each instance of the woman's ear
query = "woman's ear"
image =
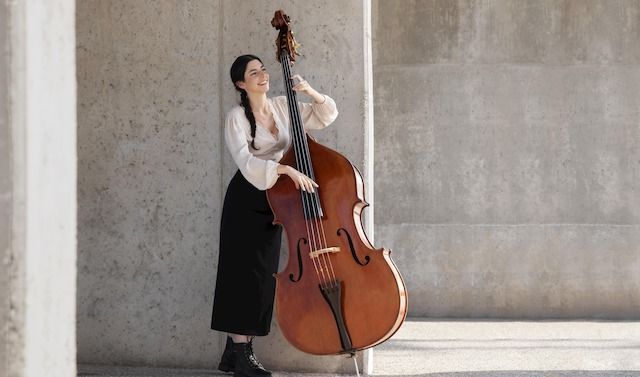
(241, 85)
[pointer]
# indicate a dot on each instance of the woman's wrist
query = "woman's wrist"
(318, 98)
(282, 169)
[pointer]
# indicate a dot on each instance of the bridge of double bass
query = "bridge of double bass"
(327, 250)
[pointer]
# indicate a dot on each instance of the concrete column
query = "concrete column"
(154, 88)
(37, 188)
(7, 342)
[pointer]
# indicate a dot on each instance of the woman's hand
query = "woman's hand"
(300, 180)
(304, 87)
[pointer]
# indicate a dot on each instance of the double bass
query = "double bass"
(337, 294)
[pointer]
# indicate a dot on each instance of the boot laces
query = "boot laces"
(252, 357)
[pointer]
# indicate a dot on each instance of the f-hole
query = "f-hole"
(299, 262)
(353, 250)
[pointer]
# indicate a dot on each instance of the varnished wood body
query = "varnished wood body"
(374, 298)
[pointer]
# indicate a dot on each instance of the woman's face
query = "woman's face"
(256, 78)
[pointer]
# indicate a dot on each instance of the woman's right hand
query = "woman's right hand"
(300, 180)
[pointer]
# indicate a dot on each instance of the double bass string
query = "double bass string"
(311, 209)
(303, 165)
(315, 205)
(325, 260)
(296, 139)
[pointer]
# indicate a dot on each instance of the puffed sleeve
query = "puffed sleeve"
(314, 115)
(263, 174)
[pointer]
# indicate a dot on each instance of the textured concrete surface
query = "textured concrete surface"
(37, 188)
(6, 198)
(503, 348)
(507, 162)
(524, 271)
(482, 349)
(153, 88)
(549, 32)
(149, 182)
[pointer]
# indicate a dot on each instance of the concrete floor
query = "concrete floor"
(480, 349)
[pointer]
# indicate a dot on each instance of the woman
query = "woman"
(257, 135)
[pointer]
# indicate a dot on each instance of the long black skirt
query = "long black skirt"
(247, 261)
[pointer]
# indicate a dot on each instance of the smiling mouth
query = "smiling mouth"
(264, 83)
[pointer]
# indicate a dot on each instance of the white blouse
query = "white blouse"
(259, 166)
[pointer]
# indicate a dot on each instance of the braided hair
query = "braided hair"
(238, 68)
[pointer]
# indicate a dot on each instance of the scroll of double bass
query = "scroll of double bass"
(337, 293)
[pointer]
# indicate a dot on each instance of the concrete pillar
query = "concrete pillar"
(153, 84)
(7, 342)
(37, 188)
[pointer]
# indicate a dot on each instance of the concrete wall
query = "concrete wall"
(148, 180)
(507, 166)
(37, 188)
(153, 88)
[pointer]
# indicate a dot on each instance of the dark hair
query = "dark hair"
(238, 68)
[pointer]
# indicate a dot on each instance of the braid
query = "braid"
(244, 101)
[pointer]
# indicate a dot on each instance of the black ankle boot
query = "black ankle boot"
(247, 365)
(228, 359)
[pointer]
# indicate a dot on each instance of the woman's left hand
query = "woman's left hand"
(304, 87)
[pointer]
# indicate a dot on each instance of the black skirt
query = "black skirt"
(247, 261)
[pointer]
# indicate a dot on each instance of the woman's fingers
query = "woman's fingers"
(311, 185)
(302, 84)
(305, 183)
(302, 182)
(306, 186)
